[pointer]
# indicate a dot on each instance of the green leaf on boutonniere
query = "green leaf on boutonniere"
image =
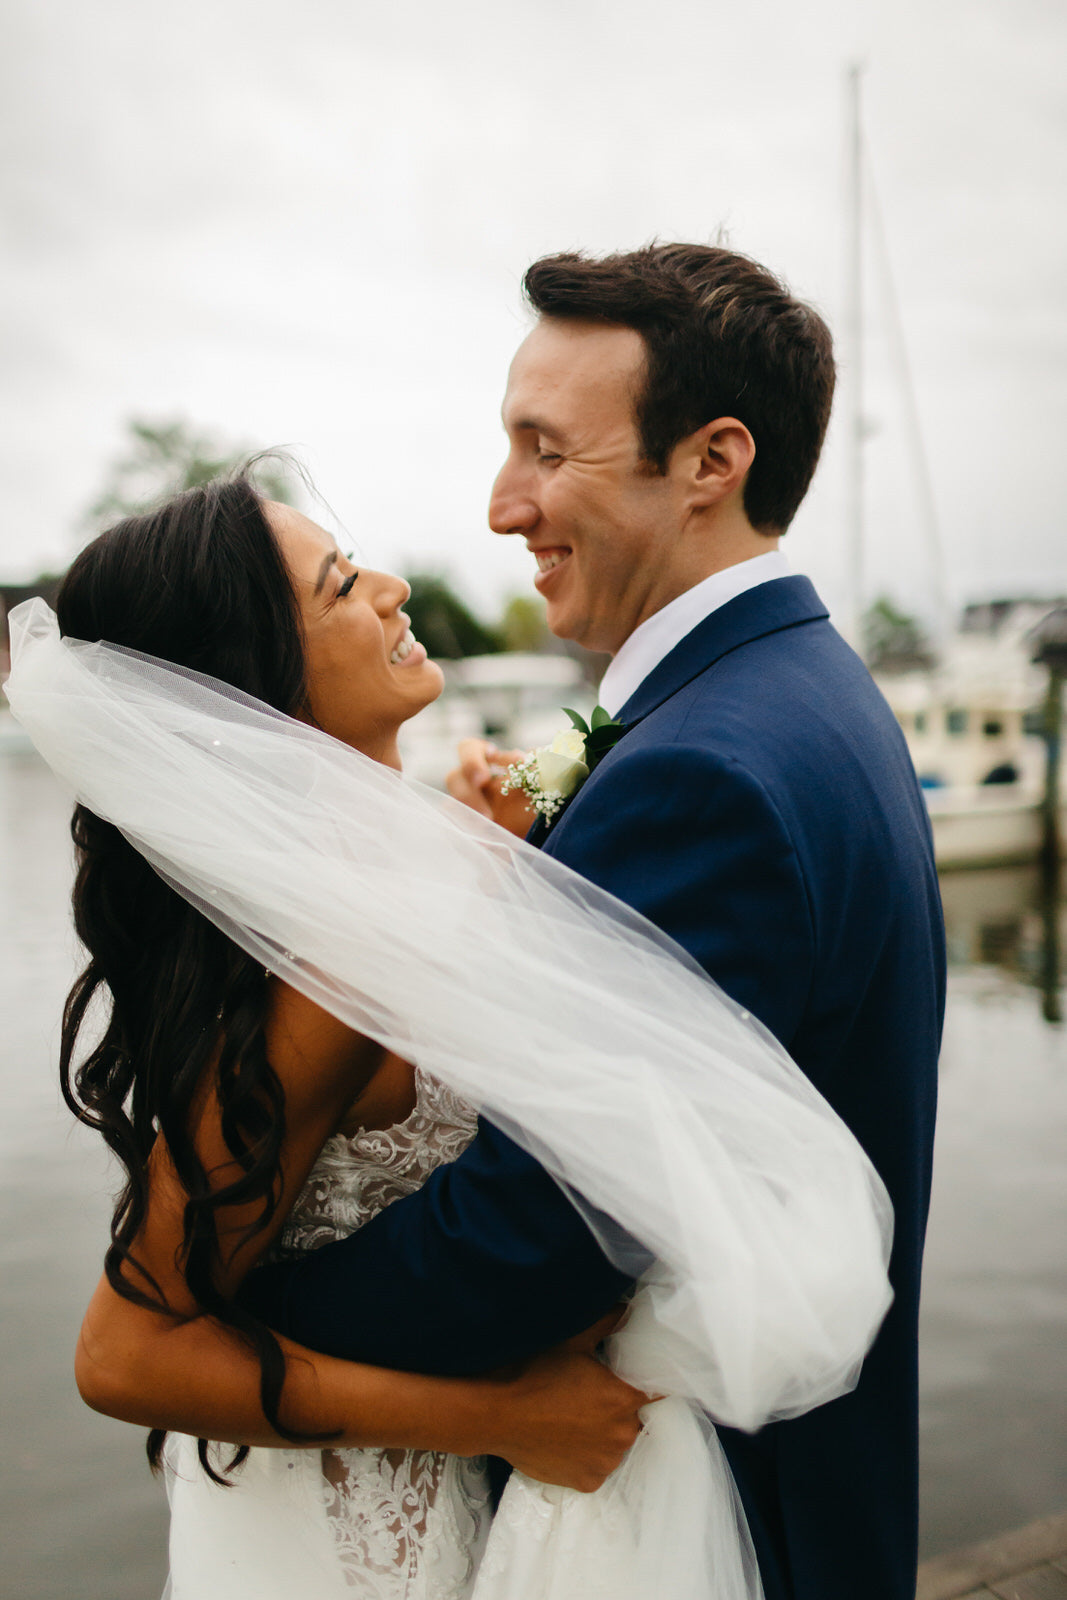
(603, 736)
(580, 722)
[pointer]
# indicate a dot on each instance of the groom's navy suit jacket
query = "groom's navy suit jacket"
(762, 809)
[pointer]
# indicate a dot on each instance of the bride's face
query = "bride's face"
(361, 689)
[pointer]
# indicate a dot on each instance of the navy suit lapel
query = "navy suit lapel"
(768, 608)
(539, 831)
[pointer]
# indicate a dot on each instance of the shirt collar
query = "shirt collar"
(658, 634)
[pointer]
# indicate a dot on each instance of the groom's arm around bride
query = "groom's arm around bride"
(664, 419)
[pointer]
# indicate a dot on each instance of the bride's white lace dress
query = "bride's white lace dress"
(416, 1524)
(376, 1524)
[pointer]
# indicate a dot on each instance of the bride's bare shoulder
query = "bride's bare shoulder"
(312, 1050)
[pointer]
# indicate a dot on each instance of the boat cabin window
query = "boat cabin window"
(992, 727)
(956, 721)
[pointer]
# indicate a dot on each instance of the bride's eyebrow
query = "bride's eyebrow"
(324, 569)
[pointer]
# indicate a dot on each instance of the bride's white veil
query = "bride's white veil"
(572, 1022)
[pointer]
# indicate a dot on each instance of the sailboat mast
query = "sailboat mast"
(853, 330)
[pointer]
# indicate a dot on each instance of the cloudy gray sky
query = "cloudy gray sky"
(307, 225)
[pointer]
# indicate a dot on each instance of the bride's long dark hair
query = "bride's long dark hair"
(200, 582)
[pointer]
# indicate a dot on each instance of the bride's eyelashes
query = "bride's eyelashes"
(347, 585)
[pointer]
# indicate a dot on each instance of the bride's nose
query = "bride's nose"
(392, 593)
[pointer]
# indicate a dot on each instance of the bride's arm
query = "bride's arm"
(565, 1418)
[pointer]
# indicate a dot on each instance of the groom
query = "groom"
(664, 419)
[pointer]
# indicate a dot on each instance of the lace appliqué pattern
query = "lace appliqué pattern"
(407, 1524)
(542, 1533)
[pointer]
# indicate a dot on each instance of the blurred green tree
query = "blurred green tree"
(894, 641)
(522, 625)
(444, 623)
(163, 458)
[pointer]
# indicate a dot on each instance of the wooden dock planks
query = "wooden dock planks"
(1027, 1564)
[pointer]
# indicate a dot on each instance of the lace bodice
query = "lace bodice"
(406, 1523)
(356, 1176)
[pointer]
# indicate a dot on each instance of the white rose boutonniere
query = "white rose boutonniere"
(561, 767)
(549, 776)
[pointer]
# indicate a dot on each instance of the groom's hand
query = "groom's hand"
(477, 782)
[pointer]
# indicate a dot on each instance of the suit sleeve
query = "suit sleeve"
(489, 1262)
(486, 1264)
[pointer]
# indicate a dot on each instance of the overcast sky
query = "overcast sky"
(306, 225)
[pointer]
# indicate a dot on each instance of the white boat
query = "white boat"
(986, 827)
(967, 721)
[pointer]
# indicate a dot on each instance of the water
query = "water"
(994, 1326)
(81, 1517)
(79, 1512)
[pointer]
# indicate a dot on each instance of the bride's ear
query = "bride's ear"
(715, 460)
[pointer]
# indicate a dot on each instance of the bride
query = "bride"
(278, 926)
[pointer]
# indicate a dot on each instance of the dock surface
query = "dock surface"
(1027, 1564)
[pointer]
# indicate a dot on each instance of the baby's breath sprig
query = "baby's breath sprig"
(523, 775)
(549, 776)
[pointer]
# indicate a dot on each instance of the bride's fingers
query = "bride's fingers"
(501, 760)
(467, 782)
(571, 1420)
(478, 780)
(512, 810)
(586, 1342)
(476, 783)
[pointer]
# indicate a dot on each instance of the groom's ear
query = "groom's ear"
(715, 460)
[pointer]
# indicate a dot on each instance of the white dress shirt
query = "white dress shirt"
(658, 634)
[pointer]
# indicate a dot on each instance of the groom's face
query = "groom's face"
(602, 526)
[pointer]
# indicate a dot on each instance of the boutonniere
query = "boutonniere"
(551, 775)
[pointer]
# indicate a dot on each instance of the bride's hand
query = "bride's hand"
(477, 782)
(566, 1418)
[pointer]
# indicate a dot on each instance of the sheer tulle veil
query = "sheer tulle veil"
(671, 1117)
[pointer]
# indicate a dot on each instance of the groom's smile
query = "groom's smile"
(547, 561)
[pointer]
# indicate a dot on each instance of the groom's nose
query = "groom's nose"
(511, 505)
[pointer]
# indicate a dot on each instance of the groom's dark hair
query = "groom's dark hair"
(724, 338)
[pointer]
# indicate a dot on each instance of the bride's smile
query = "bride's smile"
(366, 671)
